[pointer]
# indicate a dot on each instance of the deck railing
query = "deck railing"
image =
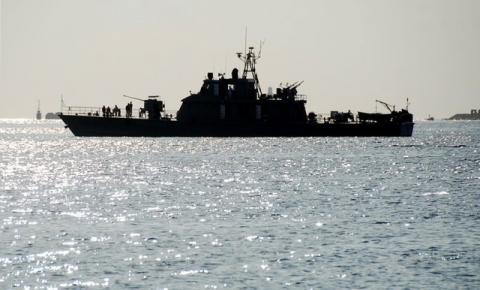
(97, 111)
(167, 114)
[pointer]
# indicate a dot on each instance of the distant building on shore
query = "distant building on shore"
(474, 115)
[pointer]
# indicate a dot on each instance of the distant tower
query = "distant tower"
(39, 114)
(62, 103)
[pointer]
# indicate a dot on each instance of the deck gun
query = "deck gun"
(152, 106)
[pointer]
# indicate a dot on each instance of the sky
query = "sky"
(348, 52)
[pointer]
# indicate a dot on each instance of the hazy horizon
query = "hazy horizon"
(348, 52)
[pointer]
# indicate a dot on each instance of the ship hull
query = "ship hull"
(129, 127)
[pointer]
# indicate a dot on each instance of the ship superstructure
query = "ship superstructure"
(239, 99)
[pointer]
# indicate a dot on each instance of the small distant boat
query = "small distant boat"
(52, 116)
(430, 118)
(474, 115)
(39, 114)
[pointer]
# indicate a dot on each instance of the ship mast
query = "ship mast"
(250, 60)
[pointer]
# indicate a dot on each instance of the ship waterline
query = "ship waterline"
(135, 127)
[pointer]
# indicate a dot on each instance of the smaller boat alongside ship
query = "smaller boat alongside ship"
(235, 107)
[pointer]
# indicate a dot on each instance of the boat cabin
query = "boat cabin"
(240, 100)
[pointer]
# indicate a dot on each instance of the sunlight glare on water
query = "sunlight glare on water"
(252, 213)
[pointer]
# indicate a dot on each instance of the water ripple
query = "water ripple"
(252, 213)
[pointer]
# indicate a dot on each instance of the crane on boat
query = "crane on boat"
(386, 105)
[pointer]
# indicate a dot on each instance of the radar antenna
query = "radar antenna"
(250, 60)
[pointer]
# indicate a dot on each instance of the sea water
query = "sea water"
(239, 213)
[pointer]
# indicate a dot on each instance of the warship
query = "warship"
(235, 107)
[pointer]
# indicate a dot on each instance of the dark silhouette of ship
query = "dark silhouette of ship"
(235, 107)
(474, 115)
